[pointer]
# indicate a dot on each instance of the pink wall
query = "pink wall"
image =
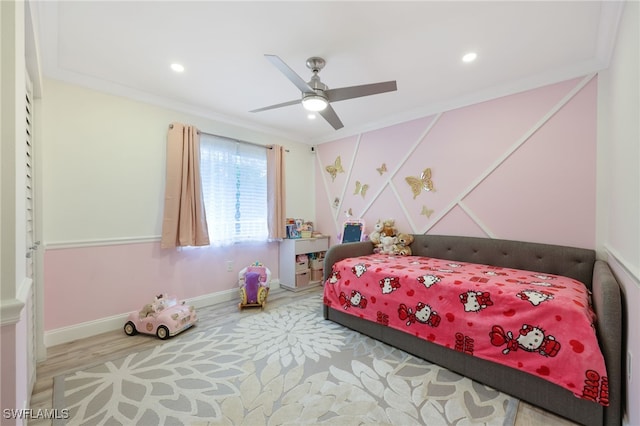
(519, 167)
(90, 283)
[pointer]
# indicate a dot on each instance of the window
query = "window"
(234, 187)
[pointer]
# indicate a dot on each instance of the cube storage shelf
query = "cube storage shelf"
(292, 275)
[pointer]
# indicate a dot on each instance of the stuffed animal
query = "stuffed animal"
(147, 310)
(374, 237)
(160, 302)
(402, 247)
(388, 228)
(388, 243)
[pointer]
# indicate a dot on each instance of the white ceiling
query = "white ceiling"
(125, 48)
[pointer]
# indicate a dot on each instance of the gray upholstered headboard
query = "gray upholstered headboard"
(572, 262)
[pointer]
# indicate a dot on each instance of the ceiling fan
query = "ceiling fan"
(317, 97)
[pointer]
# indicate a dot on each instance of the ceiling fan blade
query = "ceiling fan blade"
(289, 73)
(284, 104)
(344, 93)
(330, 115)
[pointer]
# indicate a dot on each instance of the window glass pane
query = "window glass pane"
(234, 186)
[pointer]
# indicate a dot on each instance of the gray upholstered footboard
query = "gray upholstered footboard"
(573, 262)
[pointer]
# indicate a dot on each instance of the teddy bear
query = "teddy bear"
(388, 243)
(388, 228)
(402, 246)
(374, 237)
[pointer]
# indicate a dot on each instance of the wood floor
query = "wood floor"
(72, 356)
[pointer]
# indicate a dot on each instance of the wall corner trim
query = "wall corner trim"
(10, 311)
(631, 270)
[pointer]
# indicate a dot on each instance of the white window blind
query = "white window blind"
(234, 187)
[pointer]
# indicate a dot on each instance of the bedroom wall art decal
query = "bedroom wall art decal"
(361, 188)
(426, 211)
(506, 168)
(424, 182)
(335, 168)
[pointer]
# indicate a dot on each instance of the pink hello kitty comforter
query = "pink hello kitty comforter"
(538, 323)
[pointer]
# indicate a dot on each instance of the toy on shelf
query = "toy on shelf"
(164, 317)
(254, 285)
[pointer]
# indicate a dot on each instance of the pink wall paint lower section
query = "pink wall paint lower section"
(519, 167)
(90, 283)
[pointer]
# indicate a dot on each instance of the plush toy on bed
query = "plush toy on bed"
(383, 229)
(402, 246)
(254, 285)
(388, 244)
(389, 228)
(374, 237)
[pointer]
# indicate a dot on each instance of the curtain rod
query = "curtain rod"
(235, 140)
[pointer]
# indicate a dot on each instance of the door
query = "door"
(33, 310)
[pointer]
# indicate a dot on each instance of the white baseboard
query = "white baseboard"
(116, 322)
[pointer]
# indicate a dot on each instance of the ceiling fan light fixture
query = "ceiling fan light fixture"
(314, 103)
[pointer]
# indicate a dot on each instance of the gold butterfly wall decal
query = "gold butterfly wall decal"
(348, 213)
(361, 189)
(382, 168)
(426, 212)
(418, 184)
(335, 168)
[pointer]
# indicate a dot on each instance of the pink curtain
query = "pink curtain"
(184, 222)
(276, 192)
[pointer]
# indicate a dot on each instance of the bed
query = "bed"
(594, 401)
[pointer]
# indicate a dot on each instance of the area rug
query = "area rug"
(285, 365)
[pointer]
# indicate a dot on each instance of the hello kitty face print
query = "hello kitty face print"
(356, 300)
(474, 301)
(540, 283)
(389, 284)
(428, 280)
(543, 277)
(494, 274)
(359, 269)
(535, 297)
(529, 338)
(423, 313)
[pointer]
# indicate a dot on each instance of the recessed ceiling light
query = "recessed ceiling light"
(469, 57)
(311, 116)
(177, 67)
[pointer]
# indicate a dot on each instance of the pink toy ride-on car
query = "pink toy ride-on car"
(164, 317)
